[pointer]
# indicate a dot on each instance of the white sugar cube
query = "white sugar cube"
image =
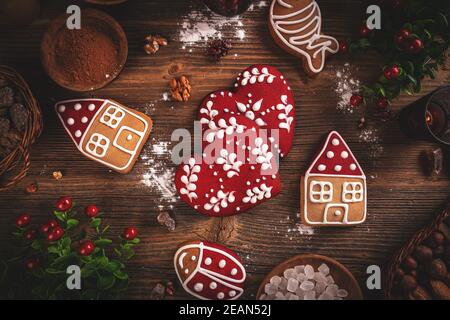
(324, 269)
(300, 293)
(299, 269)
(270, 289)
(307, 285)
(309, 271)
(330, 280)
(292, 285)
(320, 287)
(342, 293)
(294, 297)
(289, 273)
(301, 277)
(325, 296)
(309, 295)
(275, 280)
(283, 284)
(279, 296)
(332, 290)
(320, 277)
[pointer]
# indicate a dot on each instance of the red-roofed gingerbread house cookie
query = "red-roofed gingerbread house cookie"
(105, 131)
(333, 190)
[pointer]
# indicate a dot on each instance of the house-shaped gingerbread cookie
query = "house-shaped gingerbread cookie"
(333, 189)
(105, 131)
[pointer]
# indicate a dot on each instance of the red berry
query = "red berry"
(395, 71)
(86, 248)
(404, 33)
(356, 100)
(49, 226)
(388, 74)
(64, 203)
(343, 46)
(382, 103)
(364, 31)
(32, 263)
(415, 46)
(30, 234)
(130, 233)
(91, 211)
(23, 220)
(55, 234)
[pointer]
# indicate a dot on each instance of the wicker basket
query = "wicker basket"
(408, 249)
(14, 166)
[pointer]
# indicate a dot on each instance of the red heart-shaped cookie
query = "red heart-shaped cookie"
(242, 131)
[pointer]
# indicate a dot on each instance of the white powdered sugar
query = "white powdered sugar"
(158, 173)
(346, 86)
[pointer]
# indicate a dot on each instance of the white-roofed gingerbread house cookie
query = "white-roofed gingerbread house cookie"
(105, 131)
(333, 189)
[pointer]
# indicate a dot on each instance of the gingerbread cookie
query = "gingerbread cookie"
(296, 27)
(105, 131)
(209, 271)
(333, 190)
(250, 125)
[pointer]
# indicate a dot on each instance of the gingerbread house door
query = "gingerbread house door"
(336, 213)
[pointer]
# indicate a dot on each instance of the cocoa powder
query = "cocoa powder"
(87, 56)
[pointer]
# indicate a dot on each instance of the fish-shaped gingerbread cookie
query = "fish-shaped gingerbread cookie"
(296, 27)
(209, 271)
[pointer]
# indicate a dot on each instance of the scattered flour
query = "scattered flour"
(371, 137)
(158, 175)
(346, 86)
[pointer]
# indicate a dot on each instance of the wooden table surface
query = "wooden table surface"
(401, 198)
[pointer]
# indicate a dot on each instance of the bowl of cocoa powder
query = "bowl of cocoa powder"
(88, 58)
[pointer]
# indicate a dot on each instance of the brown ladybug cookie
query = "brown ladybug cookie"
(296, 27)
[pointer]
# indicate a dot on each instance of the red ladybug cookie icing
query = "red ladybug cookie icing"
(248, 128)
(333, 190)
(209, 271)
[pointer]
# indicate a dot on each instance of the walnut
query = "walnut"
(180, 88)
(57, 175)
(154, 42)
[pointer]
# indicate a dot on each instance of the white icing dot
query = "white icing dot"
(330, 154)
(337, 168)
(249, 95)
(91, 107)
(321, 167)
(335, 142)
(129, 137)
(233, 271)
(62, 108)
(222, 264)
(78, 133)
(193, 258)
(213, 285)
(232, 293)
(344, 154)
(220, 295)
(198, 287)
(186, 271)
(84, 120)
(208, 261)
(70, 121)
(252, 167)
(77, 107)
(337, 213)
(353, 167)
(238, 209)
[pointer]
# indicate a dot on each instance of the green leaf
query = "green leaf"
(60, 215)
(95, 222)
(113, 266)
(53, 249)
(72, 223)
(411, 79)
(36, 245)
(106, 282)
(54, 271)
(102, 243)
(119, 274)
(86, 272)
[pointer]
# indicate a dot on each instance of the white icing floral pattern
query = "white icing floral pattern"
(286, 109)
(229, 163)
(257, 194)
(255, 75)
(249, 112)
(221, 200)
(262, 153)
(189, 179)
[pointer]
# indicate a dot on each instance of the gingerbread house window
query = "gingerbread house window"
(112, 117)
(352, 192)
(98, 145)
(321, 191)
